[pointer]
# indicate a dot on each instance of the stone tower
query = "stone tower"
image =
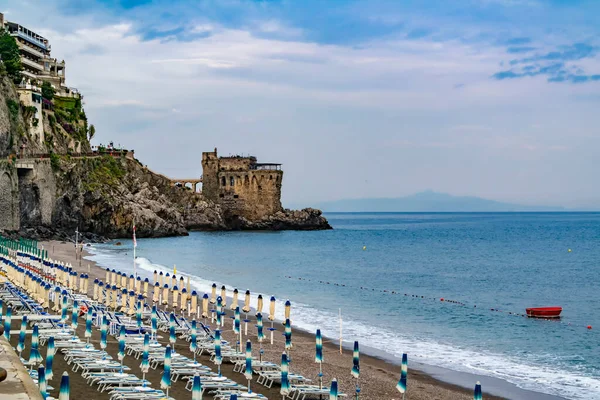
(242, 186)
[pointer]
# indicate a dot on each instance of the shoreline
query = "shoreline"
(381, 369)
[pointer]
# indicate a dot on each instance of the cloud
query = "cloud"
(522, 49)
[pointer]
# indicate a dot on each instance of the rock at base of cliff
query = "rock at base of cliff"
(308, 219)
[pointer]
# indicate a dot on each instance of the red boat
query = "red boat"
(544, 312)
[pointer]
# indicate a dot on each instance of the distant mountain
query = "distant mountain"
(428, 201)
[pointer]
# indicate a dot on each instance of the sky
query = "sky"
(376, 98)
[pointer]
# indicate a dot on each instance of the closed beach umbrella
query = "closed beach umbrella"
(138, 285)
(155, 276)
(161, 279)
(113, 277)
(272, 309)
(189, 288)
(114, 297)
(477, 393)
(145, 365)
(74, 315)
(236, 321)
(234, 302)
(224, 296)
(184, 296)
(107, 274)
(213, 294)
(124, 280)
(356, 361)
(131, 285)
(81, 283)
(154, 321)
(7, 322)
(50, 351)
(218, 357)
(175, 297)
(57, 298)
(248, 371)
(95, 292)
(146, 282)
(205, 306)
(219, 310)
(259, 327)
(288, 309)
(102, 294)
(285, 383)
(333, 391)
(121, 354)
(65, 387)
(181, 283)
(165, 295)
(259, 305)
(156, 292)
(34, 355)
(65, 306)
(103, 332)
(88, 324)
(131, 302)
(42, 381)
(246, 308)
(193, 339)
(172, 337)
(194, 305)
(288, 334)
(174, 279)
(165, 382)
(319, 355)
(22, 332)
(196, 388)
(138, 314)
(401, 386)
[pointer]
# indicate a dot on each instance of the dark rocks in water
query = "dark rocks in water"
(118, 244)
(308, 219)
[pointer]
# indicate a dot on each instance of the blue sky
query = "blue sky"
(493, 98)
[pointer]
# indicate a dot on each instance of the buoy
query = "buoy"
(442, 299)
(365, 247)
(589, 327)
(569, 250)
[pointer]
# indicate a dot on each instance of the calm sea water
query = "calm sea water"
(500, 261)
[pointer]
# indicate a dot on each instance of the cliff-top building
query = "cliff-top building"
(242, 186)
(37, 63)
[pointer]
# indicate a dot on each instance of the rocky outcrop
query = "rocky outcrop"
(308, 219)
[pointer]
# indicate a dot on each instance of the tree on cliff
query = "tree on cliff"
(47, 91)
(91, 131)
(9, 52)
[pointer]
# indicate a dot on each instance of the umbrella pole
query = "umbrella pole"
(358, 389)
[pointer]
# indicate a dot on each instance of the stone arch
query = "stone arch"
(246, 180)
(254, 181)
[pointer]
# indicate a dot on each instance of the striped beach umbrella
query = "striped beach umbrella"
(319, 355)
(172, 337)
(356, 361)
(285, 382)
(88, 324)
(248, 371)
(219, 310)
(65, 306)
(477, 393)
(233, 397)
(259, 328)
(65, 387)
(272, 309)
(333, 391)
(205, 306)
(34, 355)
(7, 322)
(213, 294)
(103, 332)
(138, 315)
(236, 321)
(218, 357)
(42, 381)
(154, 321)
(121, 354)
(50, 351)
(145, 365)
(194, 339)
(288, 334)
(259, 304)
(74, 316)
(22, 332)
(165, 382)
(401, 386)
(196, 388)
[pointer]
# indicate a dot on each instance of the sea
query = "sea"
(448, 289)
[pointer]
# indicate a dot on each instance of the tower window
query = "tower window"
(231, 181)
(223, 181)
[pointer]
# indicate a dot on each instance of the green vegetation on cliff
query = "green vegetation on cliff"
(11, 59)
(103, 171)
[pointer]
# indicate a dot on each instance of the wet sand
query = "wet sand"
(378, 377)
